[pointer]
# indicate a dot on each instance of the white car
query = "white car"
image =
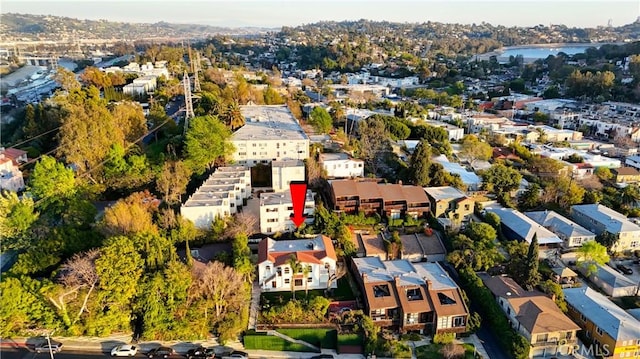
(45, 347)
(124, 351)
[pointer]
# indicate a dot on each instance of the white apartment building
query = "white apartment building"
(285, 171)
(219, 196)
(317, 255)
(340, 165)
(598, 219)
(276, 210)
(270, 133)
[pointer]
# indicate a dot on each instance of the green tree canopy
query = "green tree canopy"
(51, 180)
(17, 215)
(419, 165)
(474, 150)
(591, 254)
(206, 140)
(501, 179)
(320, 120)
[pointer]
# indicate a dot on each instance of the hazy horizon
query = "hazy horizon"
(274, 14)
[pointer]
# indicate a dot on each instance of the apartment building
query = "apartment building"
(285, 171)
(535, 316)
(613, 331)
(340, 165)
(454, 133)
(571, 233)
(515, 225)
(270, 133)
(414, 297)
(449, 202)
(276, 210)
(219, 196)
(316, 256)
(624, 175)
(391, 200)
(599, 219)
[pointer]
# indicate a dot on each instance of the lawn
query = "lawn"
(433, 351)
(322, 337)
(350, 339)
(268, 342)
(343, 292)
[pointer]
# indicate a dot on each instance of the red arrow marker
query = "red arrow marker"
(298, 197)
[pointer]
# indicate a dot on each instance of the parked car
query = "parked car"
(161, 352)
(201, 353)
(45, 347)
(237, 355)
(624, 269)
(124, 351)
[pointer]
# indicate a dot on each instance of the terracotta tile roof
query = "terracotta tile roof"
(540, 314)
(626, 171)
(367, 190)
(14, 153)
(266, 251)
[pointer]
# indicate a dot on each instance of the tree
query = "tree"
(305, 275)
(51, 181)
(630, 196)
(66, 79)
(603, 173)
(473, 150)
(501, 179)
(222, 286)
(92, 76)
(295, 268)
(272, 97)
(420, 164)
(17, 215)
(373, 142)
(129, 118)
(591, 254)
(206, 140)
(242, 256)
(532, 276)
(320, 120)
(77, 273)
(129, 216)
(232, 116)
(530, 199)
(172, 180)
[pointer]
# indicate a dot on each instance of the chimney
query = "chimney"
(553, 297)
(428, 283)
(396, 278)
(364, 277)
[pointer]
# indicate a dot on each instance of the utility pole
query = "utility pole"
(196, 71)
(188, 101)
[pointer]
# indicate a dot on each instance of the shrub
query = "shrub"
(444, 338)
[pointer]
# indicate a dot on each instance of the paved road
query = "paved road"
(26, 354)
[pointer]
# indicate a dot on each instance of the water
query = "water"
(544, 52)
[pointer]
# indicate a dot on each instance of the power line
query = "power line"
(34, 137)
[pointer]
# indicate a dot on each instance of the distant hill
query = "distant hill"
(44, 27)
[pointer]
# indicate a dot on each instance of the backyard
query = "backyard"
(343, 292)
(435, 351)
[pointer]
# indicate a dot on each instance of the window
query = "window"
(466, 207)
(272, 209)
(254, 153)
(414, 294)
(583, 318)
(445, 300)
(541, 338)
(443, 322)
(297, 282)
(286, 270)
(272, 220)
(309, 280)
(287, 281)
(273, 284)
(459, 322)
(290, 208)
(268, 268)
(634, 244)
(381, 291)
(599, 331)
(242, 153)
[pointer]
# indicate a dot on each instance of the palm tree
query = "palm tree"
(233, 116)
(295, 268)
(305, 274)
(630, 196)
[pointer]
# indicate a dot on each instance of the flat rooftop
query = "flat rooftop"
(287, 163)
(408, 273)
(270, 199)
(444, 193)
(268, 123)
(614, 222)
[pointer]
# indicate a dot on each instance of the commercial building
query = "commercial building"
(285, 171)
(417, 297)
(340, 165)
(535, 316)
(391, 200)
(599, 219)
(316, 256)
(572, 234)
(270, 133)
(219, 196)
(614, 332)
(276, 210)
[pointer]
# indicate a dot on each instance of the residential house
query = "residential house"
(413, 297)
(392, 200)
(615, 333)
(270, 133)
(515, 225)
(317, 255)
(599, 219)
(472, 181)
(16, 155)
(449, 202)
(504, 153)
(632, 161)
(10, 175)
(535, 316)
(610, 281)
(625, 175)
(285, 171)
(276, 210)
(571, 233)
(454, 133)
(340, 165)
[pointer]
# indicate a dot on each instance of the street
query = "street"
(10, 353)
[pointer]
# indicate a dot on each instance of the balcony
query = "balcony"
(551, 343)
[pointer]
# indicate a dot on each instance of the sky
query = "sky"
(271, 13)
